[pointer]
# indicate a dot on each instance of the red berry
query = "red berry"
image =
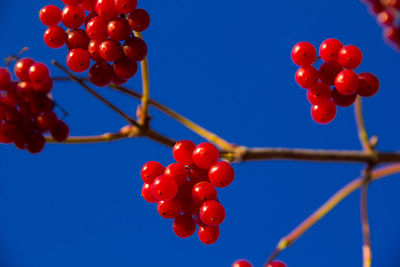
(118, 29)
(307, 77)
(169, 209)
(118, 80)
(47, 120)
(77, 39)
(110, 50)
(5, 78)
(329, 49)
(369, 84)
(107, 9)
(343, 100)
(55, 37)
(221, 174)
(277, 264)
(212, 213)
(50, 15)
(93, 49)
(72, 2)
(78, 60)
(319, 94)
(203, 192)
(44, 86)
(60, 132)
(35, 143)
(73, 16)
(323, 113)
(178, 172)
(208, 235)
(125, 6)
(328, 71)
(96, 28)
(242, 263)
(347, 82)
(139, 20)
(151, 170)
(182, 152)
(304, 54)
(135, 49)
(205, 155)
(392, 34)
(89, 5)
(164, 187)
(21, 68)
(38, 72)
(184, 226)
(124, 68)
(385, 17)
(7, 132)
(147, 194)
(350, 57)
(197, 174)
(101, 74)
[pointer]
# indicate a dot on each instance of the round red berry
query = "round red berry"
(118, 29)
(35, 143)
(205, 155)
(106, 9)
(347, 82)
(50, 15)
(47, 120)
(93, 49)
(385, 18)
(151, 170)
(60, 131)
(169, 209)
(21, 68)
(304, 54)
(329, 49)
(77, 39)
(203, 191)
(147, 194)
(139, 20)
(208, 234)
(125, 6)
(182, 152)
(5, 78)
(307, 77)
(38, 72)
(323, 113)
(73, 16)
(96, 28)
(78, 60)
(135, 49)
(328, 71)
(184, 226)
(178, 172)
(221, 174)
(212, 213)
(7, 133)
(110, 50)
(343, 100)
(242, 263)
(164, 187)
(55, 37)
(101, 74)
(319, 94)
(350, 57)
(124, 68)
(369, 84)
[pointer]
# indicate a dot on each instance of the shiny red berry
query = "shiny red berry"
(125, 6)
(304, 54)
(151, 170)
(118, 29)
(77, 39)
(184, 226)
(135, 49)
(205, 155)
(319, 94)
(139, 20)
(347, 82)
(60, 131)
(178, 172)
(73, 16)
(93, 49)
(182, 152)
(212, 213)
(242, 263)
(50, 15)
(38, 72)
(101, 74)
(203, 191)
(35, 143)
(164, 187)
(47, 120)
(55, 37)
(107, 9)
(329, 49)
(323, 113)
(350, 57)
(343, 100)
(124, 68)
(307, 77)
(328, 71)
(110, 50)
(385, 18)
(78, 60)
(96, 28)
(208, 234)
(21, 68)
(369, 84)
(5, 78)
(147, 194)
(221, 174)
(169, 209)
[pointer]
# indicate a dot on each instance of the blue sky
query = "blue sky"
(226, 65)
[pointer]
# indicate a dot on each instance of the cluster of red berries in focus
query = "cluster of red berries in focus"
(387, 14)
(98, 30)
(246, 263)
(26, 108)
(337, 70)
(186, 190)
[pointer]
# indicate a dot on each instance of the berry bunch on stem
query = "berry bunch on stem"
(26, 107)
(186, 190)
(337, 70)
(100, 31)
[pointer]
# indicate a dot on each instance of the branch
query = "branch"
(362, 132)
(366, 249)
(289, 239)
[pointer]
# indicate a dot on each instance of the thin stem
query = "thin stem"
(98, 96)
(107, 137)
(289, 239)
(366, 249)
(362, 132)
(144, 66)
(181, 119)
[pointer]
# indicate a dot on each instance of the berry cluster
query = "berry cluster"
(387, 14)
(337, 71)
(185, 191)
(26, 108)
(246, 263)
(103, 35)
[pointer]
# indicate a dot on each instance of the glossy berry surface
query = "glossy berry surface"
(212, 213)
(323, 113)
(350, 56)
(169, 209)
(347, 82)
(304, 54)
(343, 100)
(135, 49)
(329, 49)
(203, 191)
(221, 174)
(328, 71)
(182, 152)
(73, 16)
(178, 172)
(50, 15)
(78, 60)
(205, 155)
(319, 94)
(125, 6)
(208, 235)
(55, 37)
(307, 77)
(242, 263)
(101, 74)
(164, 187)
(139, 20)
(151, 170)
(184, 226)
(147, 194)
(369, 84)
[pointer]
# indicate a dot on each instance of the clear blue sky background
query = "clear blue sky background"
(226, 65)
